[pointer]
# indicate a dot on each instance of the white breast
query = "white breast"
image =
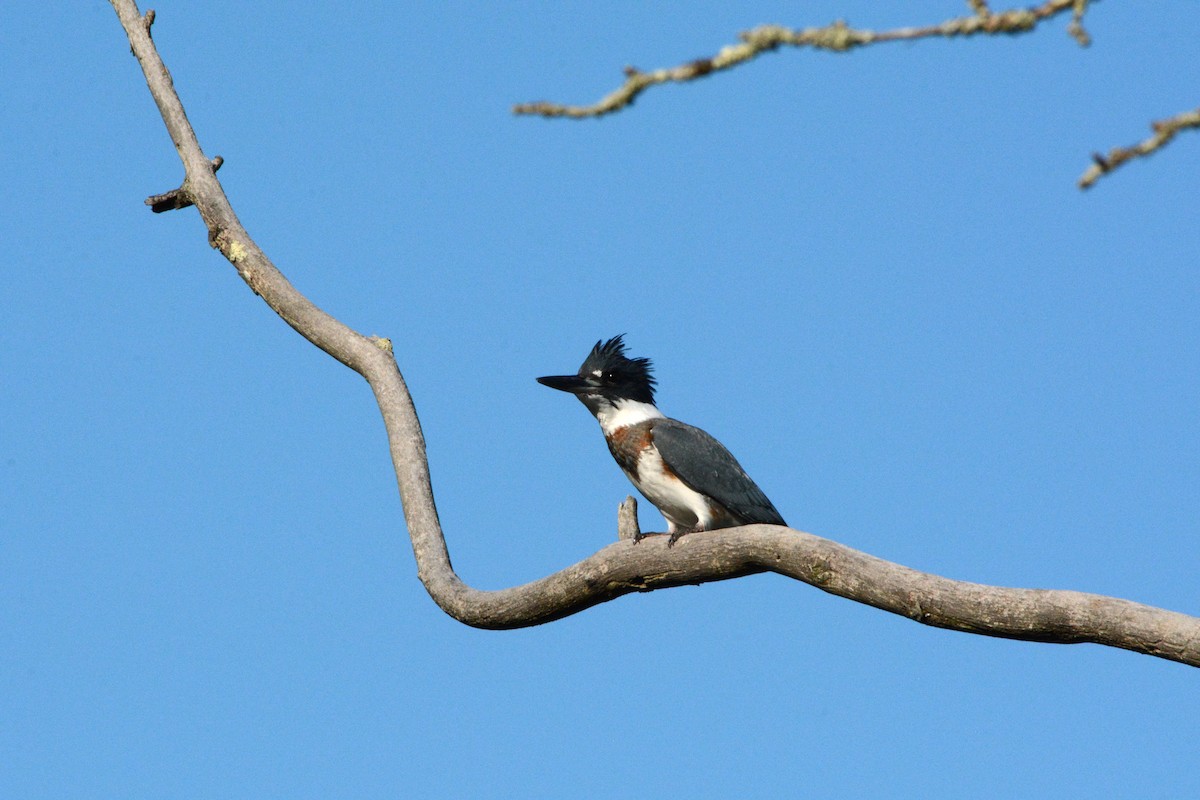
(683, 507)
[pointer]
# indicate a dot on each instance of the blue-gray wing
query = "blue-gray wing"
(707, 466)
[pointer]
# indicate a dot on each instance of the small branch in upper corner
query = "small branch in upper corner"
(176, 198)
(1164, 132)
(837, 37)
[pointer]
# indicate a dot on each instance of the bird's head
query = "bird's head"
(608, 378)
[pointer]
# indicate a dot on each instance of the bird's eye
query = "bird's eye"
(608, 377)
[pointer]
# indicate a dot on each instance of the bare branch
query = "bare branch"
(629, 566)
(1164, 132)
(836, 37)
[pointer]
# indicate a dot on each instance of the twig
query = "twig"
(1075, 28)
(1164, 132)
(837, 37)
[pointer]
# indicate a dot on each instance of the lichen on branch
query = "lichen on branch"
(837, 37)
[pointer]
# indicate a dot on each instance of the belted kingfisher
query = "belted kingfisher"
(688, 475)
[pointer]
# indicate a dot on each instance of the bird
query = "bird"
(688, 475)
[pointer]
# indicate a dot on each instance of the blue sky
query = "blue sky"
(870, 275)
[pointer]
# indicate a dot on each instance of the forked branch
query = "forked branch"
(624, 567)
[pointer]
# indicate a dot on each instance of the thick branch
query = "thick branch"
(836, 37)
(629, 565)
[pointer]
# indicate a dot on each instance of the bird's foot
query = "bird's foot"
(678, 532)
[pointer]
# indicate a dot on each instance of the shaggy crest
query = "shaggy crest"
(608, 362)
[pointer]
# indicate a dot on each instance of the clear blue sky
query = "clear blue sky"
(870, 275)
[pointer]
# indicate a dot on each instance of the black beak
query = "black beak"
(566, 383)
